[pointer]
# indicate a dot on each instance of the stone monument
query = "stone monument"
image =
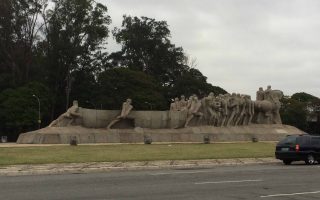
(220, 118)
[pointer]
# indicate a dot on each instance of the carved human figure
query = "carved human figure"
(233, 109)
(190, 100)
(224, 108)
(242, 107)
(276, 96)
(215, 111)
(126, 108)
(70, 115)
(216, 107)
(260, 94)
(267, 94)
(249, 110)
(267, 110)
(194, 110)
(175, 106)
(208, 104)
(183, 103)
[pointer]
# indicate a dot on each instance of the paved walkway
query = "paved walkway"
(17, 170)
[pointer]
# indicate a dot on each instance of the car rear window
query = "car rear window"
(303, 140)
(289, 140)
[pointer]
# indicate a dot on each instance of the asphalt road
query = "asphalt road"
(273, 181)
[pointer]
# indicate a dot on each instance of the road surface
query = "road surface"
(265, 182)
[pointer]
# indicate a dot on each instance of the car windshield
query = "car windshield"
(289, 140)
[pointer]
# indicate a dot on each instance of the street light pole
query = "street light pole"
(39, 111)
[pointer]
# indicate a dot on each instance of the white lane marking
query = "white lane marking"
(235, 181)
(292, 194)
(170, 173)
(212, 170)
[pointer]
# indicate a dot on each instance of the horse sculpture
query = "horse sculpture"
(267, 110)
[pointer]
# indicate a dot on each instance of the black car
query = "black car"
(299, 148)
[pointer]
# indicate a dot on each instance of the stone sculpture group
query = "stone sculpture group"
(231, 110)
(220, 111)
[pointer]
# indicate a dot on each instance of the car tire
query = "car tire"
(310, 160)
(287, 162)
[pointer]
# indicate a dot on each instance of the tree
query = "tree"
(294, 113)
(193, 82)
(75, 36)
(19, 31)
(300, 110)
(312, 106)
(84, 87)
(56, 45)
(304, 97)
(116, 85)
(19, 109)
(146, 47)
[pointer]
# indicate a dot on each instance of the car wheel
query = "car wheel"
(310, 160)
(287, 162)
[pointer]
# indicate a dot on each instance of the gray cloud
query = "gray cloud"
(241, 45)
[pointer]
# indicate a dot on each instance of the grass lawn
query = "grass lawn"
(132, 152)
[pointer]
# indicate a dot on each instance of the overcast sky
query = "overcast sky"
(240, 45)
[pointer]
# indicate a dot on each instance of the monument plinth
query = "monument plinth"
(59, 135)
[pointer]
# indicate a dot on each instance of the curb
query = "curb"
(98, 167)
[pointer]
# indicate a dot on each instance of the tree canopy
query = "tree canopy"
(294, 113)
(304, 97)
(300, 110)
(76, 32)
(115, 85)
(19, 108)
(146, 47)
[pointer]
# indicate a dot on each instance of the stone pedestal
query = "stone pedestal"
(62, 135)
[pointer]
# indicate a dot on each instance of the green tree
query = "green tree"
(301, 110)
(60, 45)
(146, 47)
(116, 85)
(84, 87)
(19, 109)
(193, 82)
(294, 113)
(19, 33)
(75, 36)
(304, 97)
(312, 105)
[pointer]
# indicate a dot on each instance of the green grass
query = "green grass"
(132, 152)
